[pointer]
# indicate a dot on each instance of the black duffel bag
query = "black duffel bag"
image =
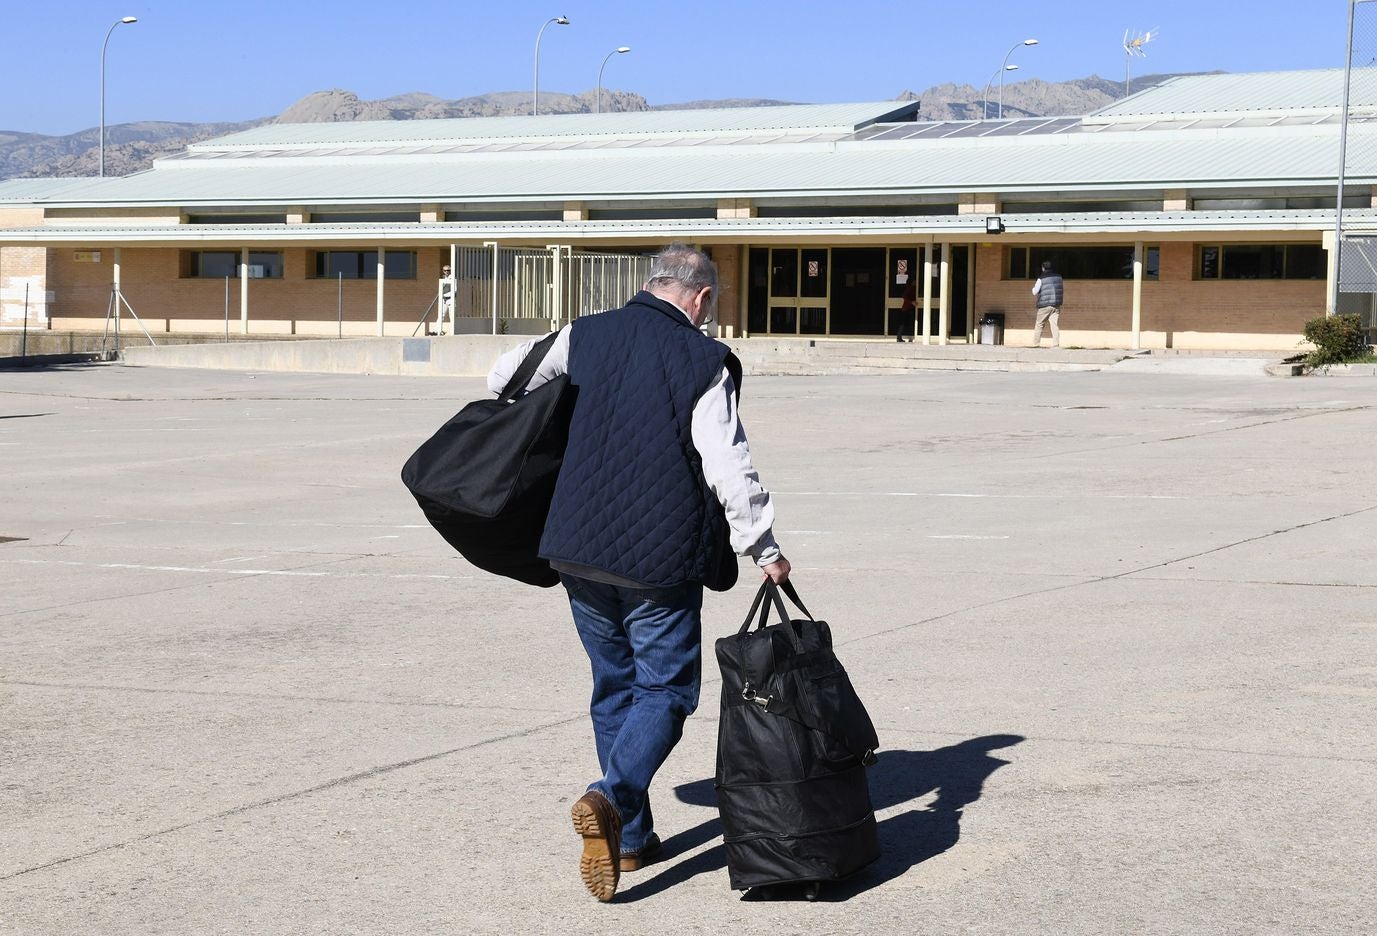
(792, 749)
(486, 478)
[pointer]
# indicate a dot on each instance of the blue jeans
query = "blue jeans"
(645, 649)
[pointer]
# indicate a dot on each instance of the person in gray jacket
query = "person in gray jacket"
(1050, 293)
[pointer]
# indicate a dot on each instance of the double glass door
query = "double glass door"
(845, 291)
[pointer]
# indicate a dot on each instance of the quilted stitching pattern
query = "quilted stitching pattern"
(631, 498)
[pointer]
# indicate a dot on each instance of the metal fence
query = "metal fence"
(1355, 287)
(555, 283)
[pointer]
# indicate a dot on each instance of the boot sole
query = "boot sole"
(599, 867)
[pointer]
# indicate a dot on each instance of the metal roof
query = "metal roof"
(1263, 92)
(1060, 162)
(27, 191)
(790, 117)
(961, 227)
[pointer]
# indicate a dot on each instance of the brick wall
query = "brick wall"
(1178, 311)
(165, 301)
(23, 275)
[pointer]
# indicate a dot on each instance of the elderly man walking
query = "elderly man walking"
(656, 497)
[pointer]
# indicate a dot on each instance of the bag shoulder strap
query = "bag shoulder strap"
(528, 367)
(733, 365)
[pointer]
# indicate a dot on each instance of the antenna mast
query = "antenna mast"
(1133, 45)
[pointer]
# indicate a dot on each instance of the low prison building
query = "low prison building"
(1196, 214)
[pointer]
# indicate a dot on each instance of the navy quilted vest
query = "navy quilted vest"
(1051, 292)
(631, 499)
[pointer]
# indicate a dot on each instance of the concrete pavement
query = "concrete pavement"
(1116, 631)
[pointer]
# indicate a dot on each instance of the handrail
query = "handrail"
(424, 315)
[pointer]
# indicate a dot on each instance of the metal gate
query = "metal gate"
(556, 284)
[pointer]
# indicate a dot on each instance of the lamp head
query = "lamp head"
(1011, 68)
(130, 19)
(622, 50)
(994, 224)
(1030, 42)
(562, 20)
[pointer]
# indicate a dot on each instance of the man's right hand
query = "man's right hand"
(777, 571)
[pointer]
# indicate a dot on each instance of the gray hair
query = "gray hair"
(680, 266)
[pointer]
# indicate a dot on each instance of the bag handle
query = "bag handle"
(770, 589)
(528, 367)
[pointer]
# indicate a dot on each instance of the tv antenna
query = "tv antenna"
(1133, 46)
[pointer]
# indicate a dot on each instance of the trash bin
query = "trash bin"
(992, 328)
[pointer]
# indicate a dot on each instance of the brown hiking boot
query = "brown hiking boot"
(597, 821)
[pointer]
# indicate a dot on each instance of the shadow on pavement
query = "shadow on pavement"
(956, 774)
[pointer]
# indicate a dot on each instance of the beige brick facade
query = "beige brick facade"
(1179, 311)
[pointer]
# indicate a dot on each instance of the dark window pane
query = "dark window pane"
(783, 320)
(1209, 263)
(757, 295)
(265, 265)
(814, 273)
(400, 264)
(813, 321)
(343, 263)
(1018, 263)
(1152, 262)
(1305, 261)
(218, 264)
(1253, 261)
(784, 273)
(1083, 262)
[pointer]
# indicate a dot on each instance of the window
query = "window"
(1260, 261)
(217, 264)
(1105, 263)
(363, 264)
(364, 217)
(236, 219)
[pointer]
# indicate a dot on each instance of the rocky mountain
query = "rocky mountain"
(132, 147)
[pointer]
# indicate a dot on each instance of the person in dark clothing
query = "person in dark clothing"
(1049, 291)
(906, 310)
(656, 493)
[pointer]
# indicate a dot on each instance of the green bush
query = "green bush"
(1338, 339)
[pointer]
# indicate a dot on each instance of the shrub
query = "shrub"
(1337, 340)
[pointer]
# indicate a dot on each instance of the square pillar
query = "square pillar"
(1137, 295)
(927, 293)
(244, 290)
(944, 300)
(382, 277)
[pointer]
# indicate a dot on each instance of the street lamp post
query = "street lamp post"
(619, 50)
(119, 22)
(1025, 42)
(535, 91)
(985, 97)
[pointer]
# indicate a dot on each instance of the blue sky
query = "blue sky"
(199, 61)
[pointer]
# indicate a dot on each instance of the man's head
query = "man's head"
(444, 270)
(1047, 266)
(687, 278)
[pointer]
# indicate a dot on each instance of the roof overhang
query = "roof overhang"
(965, 228)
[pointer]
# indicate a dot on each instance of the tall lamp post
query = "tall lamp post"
(535, 92)
(120, 22)
(985, 98)
(619, 50)
(1003, 69)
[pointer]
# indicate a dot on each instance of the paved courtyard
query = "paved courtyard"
(1117, 632)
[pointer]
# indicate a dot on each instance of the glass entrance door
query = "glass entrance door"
(789, 291)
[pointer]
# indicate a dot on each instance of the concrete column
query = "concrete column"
(743, 294)
(944, 301)
(244, 290)
(1137, 295)
(927, 293)
(115, 294)
(382, 277)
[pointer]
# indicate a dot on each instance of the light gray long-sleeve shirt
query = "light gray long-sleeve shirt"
(718, 437)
